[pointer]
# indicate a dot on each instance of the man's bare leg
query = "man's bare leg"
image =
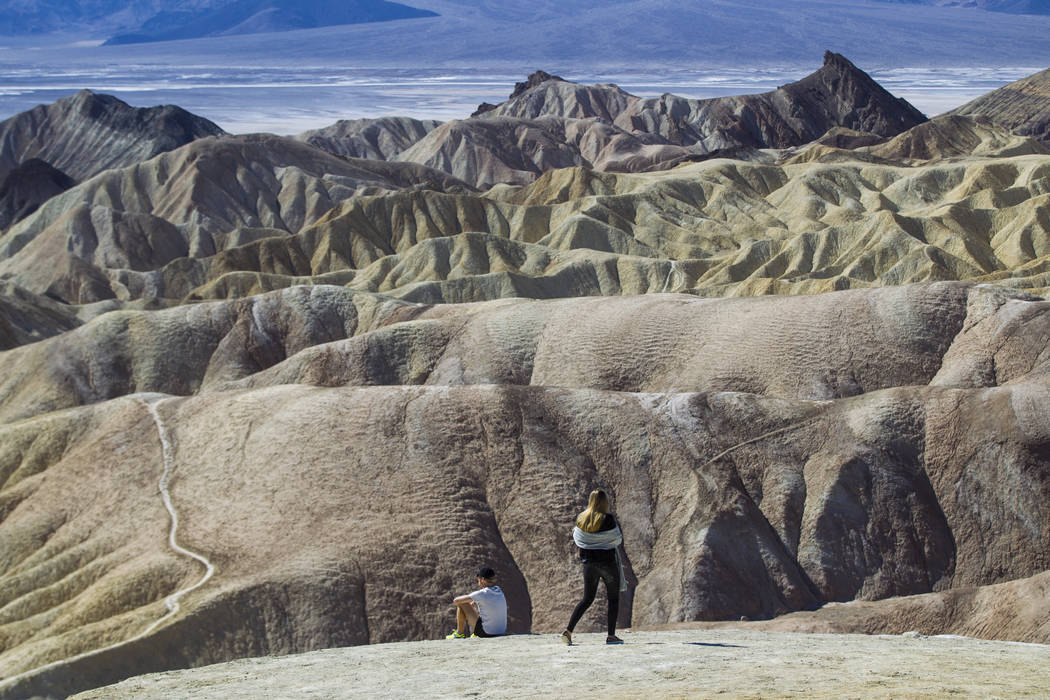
(466, 614)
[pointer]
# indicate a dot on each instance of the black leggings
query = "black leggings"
(608, 572)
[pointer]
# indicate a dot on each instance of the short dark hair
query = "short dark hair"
(486, 572)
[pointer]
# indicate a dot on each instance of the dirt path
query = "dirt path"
(172, 601)
(168, 452)
(664, 664)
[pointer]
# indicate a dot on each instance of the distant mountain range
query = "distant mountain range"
(585, 35)
(1016, 7)
(163, 20)
(257, 16)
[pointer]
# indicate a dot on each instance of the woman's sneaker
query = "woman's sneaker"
(566, 638)
(613, 639)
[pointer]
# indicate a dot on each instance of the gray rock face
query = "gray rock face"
(551, 123)
(546, 95)
(839, 94)
(87, 133)
(28, 186)
(1023, 106)
(380, 139)
(27, 318)
(512, 150)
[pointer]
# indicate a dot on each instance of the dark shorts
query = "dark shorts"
(480, 631)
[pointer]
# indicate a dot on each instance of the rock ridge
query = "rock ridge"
(86, 133)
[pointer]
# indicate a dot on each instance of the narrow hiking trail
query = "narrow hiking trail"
(168, 454)
(172, 601)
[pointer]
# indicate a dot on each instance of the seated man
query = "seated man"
(484, 610)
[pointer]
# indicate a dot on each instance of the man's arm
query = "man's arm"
(459, 600)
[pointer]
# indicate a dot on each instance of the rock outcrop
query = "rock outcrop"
(838, 94)
(87, 133)
(948, 137)
(549, 123)
(512, 150)
(735, 661)
(543, 94)
(28, 186)
(1023, 106)
(379, 139)
(1015, 611)
(26, 317)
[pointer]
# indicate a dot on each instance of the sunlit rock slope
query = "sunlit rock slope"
(766, 455)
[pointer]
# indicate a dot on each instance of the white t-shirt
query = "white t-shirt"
(493, 609)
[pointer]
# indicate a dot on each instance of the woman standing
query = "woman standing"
(597, 535)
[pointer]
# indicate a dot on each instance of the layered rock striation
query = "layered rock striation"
(539, 127)
(208, 196)
(377, 139)
(224, 218)
(1023, 106)
(87, 133)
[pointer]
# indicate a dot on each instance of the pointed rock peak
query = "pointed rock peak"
(861, 102)
(537, 78)
(94, 104)
(838, 62)
(838, 66)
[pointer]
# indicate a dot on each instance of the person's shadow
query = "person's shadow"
(703, 644)
(714, 644)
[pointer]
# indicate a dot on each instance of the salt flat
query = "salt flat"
(289, 101)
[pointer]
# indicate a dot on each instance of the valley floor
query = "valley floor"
(666, 664)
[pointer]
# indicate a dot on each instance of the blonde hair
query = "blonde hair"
(597, 506)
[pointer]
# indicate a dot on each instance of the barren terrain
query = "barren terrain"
(668, 664)
(262, 399)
